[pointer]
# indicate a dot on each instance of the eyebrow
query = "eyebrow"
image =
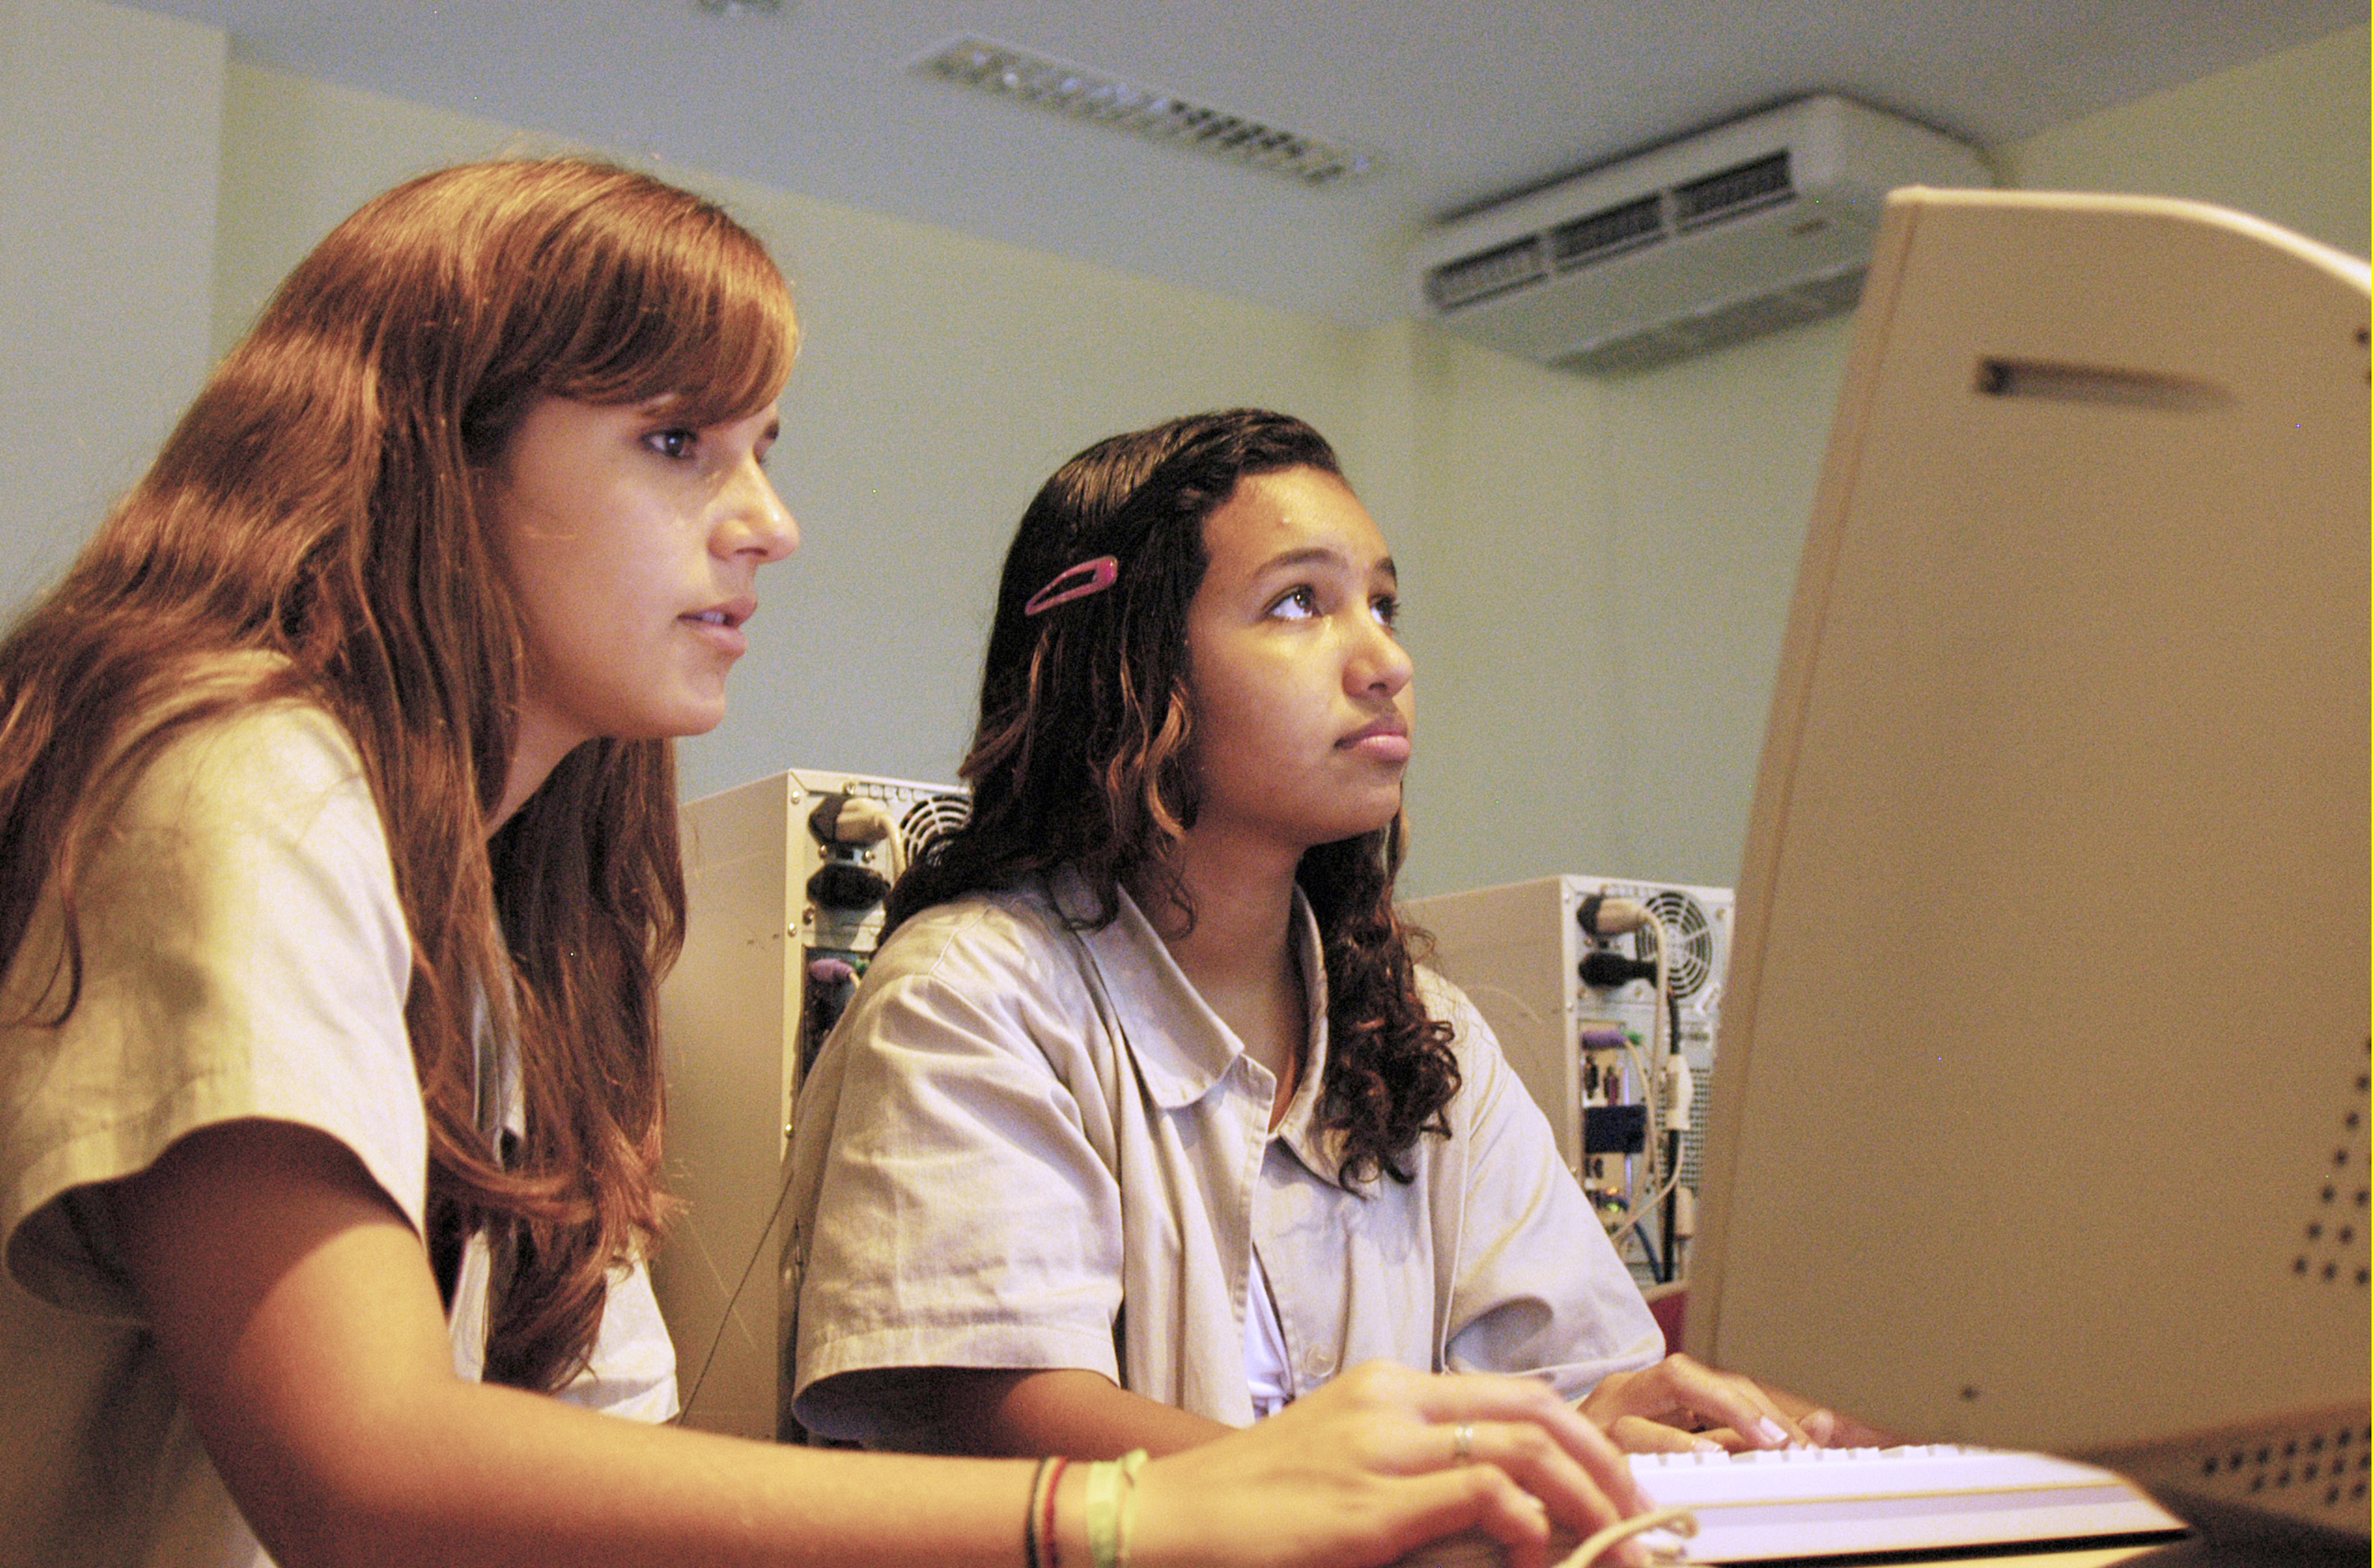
(1320, 555)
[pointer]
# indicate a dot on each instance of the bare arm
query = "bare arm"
(1060, 1411)
(296, 1312)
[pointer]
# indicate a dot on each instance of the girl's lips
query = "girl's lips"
(1387, 740)
(731, 614)
(721, 627)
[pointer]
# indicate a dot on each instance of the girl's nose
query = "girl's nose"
(1380, 663)
(757, 523)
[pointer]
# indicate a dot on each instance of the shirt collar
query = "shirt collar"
(1179, 1045)
(1181, 1048)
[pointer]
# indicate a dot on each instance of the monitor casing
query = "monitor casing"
(2040, 1113)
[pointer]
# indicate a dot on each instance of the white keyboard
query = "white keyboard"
(1847, 1503)
(1783, 1503)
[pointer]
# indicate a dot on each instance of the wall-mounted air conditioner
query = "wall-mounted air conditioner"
(1759, 224)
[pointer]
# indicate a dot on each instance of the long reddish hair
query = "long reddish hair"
(321, 502)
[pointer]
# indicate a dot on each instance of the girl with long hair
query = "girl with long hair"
(337, 865)
(1145, 1122)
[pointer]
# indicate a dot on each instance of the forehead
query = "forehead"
(1289, 517)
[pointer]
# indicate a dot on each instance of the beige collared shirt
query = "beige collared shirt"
(1029, 1147)
(245, 956)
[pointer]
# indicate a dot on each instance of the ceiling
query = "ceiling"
(1461, 101)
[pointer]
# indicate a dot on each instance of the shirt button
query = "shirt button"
(1317, 1364)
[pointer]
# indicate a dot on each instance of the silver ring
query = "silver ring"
(1463, 1442)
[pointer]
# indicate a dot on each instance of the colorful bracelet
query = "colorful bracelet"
(1043, 1493)
(1047, 1530)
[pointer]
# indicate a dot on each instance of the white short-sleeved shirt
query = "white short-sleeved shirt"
(245, 955)
(1027, 1146)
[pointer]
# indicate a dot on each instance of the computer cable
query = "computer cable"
(1676, 1521)
(1601, 915)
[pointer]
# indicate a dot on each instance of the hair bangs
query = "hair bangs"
(685, 306)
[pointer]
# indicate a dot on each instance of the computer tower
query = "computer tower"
(783, 882)
(1585, 1050)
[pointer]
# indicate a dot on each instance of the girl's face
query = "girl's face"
(1301, 690)
(632, 543)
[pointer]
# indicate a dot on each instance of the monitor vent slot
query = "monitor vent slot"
(2333, 1243)
(2316, 1472)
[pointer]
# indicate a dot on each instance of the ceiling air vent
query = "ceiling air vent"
(1755, 225)
(1077, 93)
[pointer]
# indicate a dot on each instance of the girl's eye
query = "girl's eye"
(1387, 609)
(1299, 605)
(677, 443)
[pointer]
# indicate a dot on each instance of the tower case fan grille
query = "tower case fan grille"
(930, 819)
(1516, 950)
(1691, 932)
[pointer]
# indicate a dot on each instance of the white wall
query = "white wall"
(2283, 138)
(940, 379)
(1598, 572)
(107, 235)
(1607, 565)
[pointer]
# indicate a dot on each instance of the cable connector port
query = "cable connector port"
(1603, 971)
(1614, 1130)
(1602, 916)
(1680, 1086)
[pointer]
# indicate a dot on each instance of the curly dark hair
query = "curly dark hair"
(1080, 760)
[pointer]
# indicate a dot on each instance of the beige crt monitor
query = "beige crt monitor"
(2040, 1113)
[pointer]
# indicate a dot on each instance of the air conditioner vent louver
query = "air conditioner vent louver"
(1733, 193)
(1763, 223)
(1470, 278)
(1720, 326)
(1614, 232)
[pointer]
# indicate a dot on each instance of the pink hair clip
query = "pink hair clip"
(1074, 583)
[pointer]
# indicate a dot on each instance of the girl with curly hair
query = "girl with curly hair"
(1145, 1122)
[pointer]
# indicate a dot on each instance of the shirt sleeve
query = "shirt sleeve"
(950, 1201)
(244, 956)
(1537, 1286)
(632, 1373)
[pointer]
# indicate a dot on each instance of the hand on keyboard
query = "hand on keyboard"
(1684, 1406)
(1825, 1501)
(1846, 1503)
